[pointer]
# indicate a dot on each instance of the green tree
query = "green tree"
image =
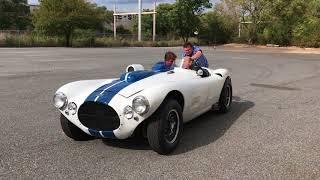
(62, 17)
(14, 14)
(123, 33)
(306, 31)
(165, 24)
(214, 29)
(254, 12)
(105, 15)
(280, 22)
(228, 13)
(186, 16)
(283, 17)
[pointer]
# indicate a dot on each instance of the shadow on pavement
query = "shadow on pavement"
(130, 143)
(210, 126)
(199, 132)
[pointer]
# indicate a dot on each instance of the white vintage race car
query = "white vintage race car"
(153, 103)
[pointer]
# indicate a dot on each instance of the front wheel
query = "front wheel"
(225, 99)
(165, 129)
(73, 131)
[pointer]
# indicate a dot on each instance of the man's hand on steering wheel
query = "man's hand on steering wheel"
(187, 62)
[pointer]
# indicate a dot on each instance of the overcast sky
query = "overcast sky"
(124, 5)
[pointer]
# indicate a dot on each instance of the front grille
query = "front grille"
(98, 116)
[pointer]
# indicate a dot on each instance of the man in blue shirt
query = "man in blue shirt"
(166, 65)
(193, 55)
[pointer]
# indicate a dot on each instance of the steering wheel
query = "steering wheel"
(194, 66)
(205, 73)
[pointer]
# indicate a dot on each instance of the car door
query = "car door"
(197, 95)
(214, 83)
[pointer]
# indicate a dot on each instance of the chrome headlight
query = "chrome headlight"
(60, 100)
(128, 112)
(72, 108)
(140, 105)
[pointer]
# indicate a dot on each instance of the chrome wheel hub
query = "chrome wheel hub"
(172, 127)
(228, 96)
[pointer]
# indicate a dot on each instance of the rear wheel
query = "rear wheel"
(225, 100)
(165, 129)
(73, 131)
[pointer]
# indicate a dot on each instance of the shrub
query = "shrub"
(307, 34)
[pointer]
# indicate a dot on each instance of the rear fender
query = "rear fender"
(224, 73)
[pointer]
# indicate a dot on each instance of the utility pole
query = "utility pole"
(243, 22)
(139, 20)
(139, 13)
(154, 21)
(114, 23)
(240, 29)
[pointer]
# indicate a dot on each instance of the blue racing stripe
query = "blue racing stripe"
(105, 93)
(94, 133)
(106, 134)
(97, 92)
(111, 92)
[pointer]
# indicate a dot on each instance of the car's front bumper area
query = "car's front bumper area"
(100, 119)
(103, 120)
(102, 134)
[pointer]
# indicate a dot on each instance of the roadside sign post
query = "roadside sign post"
(139, 13)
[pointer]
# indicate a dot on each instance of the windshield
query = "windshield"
(179, 63)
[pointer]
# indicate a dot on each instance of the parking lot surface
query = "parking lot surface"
(272, 131)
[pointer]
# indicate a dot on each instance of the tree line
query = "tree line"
(14, 14)
(283, 22)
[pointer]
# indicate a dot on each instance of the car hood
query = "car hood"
(132, 83)
(122, 86)
(158, 79)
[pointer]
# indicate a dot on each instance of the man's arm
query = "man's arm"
(196, 55)
(189, 60)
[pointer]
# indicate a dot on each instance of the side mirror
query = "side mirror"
(203, 72)
(200, 72)
(134, 67)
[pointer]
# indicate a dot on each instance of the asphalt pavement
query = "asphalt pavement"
(272, 131)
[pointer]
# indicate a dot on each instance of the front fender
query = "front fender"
(79, 90)
(157, 94)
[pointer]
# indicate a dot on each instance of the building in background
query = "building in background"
(126, 21)
(33, 7)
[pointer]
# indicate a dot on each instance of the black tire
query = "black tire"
(225, 100)
(73, 131)
(165, 127)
